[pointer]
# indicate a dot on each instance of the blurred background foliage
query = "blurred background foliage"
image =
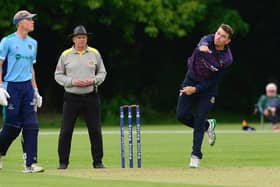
(145, 45)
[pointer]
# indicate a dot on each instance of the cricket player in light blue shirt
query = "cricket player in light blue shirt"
(18, 91)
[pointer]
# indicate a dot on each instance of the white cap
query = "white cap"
(22, 14)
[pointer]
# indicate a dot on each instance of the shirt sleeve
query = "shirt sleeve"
(100, 71)
(60, 75)
(205, 40)
(35, 52)
(3, 49)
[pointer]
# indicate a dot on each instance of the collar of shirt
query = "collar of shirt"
(74, 51)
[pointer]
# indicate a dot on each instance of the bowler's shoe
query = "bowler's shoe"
(194, 162)
(211, 131)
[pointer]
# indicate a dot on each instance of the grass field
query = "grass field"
(238, 159)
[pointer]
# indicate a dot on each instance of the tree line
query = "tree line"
(144, 44)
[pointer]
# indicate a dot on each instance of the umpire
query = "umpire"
(80, 70)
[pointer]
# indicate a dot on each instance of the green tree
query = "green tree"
(143, 42)
(173, 18)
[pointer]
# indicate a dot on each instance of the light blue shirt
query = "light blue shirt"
(18, 56)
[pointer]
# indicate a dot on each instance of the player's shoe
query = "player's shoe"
(211, 131)
(34, 168)
(1, 162)
(194, 162)
(62, 166)
(98, 165)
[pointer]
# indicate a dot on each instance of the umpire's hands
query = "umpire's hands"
(83, 82)
(38, 98)
(4, 95)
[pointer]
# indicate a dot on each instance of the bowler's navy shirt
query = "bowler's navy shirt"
(206, 69)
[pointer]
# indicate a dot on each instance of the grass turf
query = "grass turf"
(238, 159)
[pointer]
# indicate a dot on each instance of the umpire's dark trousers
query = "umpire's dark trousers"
(201, 103)
(89, 106)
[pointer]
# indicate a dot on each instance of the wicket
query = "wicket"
(130, 134)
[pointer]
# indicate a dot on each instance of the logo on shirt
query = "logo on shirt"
(91, 63)
(19, 56)
(11, 106)
(30, 47)
(222, 63)
(212, 100)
